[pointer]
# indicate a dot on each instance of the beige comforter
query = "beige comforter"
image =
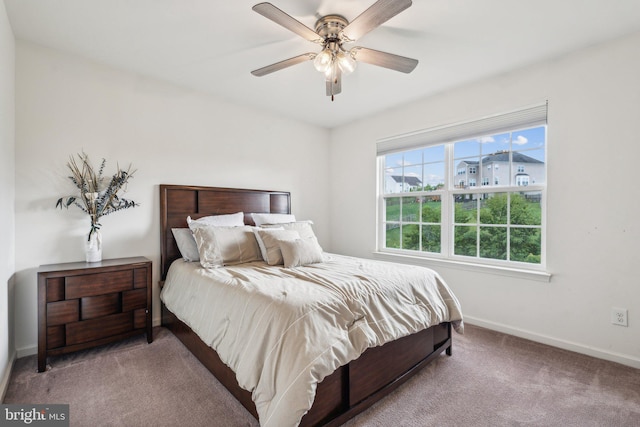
(283, 330)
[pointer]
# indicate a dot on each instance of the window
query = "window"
(499, 222)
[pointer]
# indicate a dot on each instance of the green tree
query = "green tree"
(524, 212)
(411, 237)
(462, 215)
(494, 210)
(465, 238)
(525, 245)
(431, 212)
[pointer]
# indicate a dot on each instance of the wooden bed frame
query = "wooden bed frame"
(351, 388)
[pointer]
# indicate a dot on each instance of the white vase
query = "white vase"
(93, 247)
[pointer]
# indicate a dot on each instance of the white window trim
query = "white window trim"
(527, 274)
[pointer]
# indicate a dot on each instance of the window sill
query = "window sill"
(540, 276)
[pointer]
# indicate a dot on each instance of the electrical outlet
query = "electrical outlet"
(619, 316)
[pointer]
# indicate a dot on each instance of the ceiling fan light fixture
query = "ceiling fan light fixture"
(323, 60)
(329, 72)
(346, 62)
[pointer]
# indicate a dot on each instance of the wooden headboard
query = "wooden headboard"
(179, 201)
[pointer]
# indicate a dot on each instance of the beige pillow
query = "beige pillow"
(218, 246)
(296, 253)
(271, 218)
(270, 239)
(186, 244)
(302, 227)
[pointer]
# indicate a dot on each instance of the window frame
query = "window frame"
(447, 194)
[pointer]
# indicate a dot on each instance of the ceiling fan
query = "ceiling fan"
(333, 32)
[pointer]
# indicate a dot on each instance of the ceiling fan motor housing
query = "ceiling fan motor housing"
(330, 27)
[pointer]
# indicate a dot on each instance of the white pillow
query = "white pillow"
(302, 227)
(271, 218)
(227, 220)
(186, 244)
(269, 239)
(218, 246)
(297, 253)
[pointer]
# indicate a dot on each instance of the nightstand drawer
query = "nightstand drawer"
(140, 278)
(55, 337)
(95, 329)
(55, 289)
(88, 285)
(61, 312)
(134, 299)
(98, 306)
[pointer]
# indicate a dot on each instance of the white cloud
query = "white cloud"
(486, 139)
(520, 140)
(434, 179)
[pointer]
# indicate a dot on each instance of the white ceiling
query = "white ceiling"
(212, 45)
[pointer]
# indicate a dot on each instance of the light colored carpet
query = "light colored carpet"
(492, 379)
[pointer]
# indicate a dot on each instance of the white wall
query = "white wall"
(7, 194)
(593, 200)
(171, 135)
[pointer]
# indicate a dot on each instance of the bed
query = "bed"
(348, 388)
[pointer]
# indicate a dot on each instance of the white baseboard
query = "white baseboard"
(623, 359)
(6, 376)
(26, 351)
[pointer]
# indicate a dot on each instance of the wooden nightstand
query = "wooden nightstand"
(83, 305)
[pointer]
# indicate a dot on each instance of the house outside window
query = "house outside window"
(399, 183)
(448, 217)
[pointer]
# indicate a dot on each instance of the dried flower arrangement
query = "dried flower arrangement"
(96, 199)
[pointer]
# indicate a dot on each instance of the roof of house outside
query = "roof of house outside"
(503, 156)
(410, 180)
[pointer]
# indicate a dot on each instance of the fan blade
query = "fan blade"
(283, 64)
(281, 18)
(384, 59)
(334, 84)
(378, 13)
